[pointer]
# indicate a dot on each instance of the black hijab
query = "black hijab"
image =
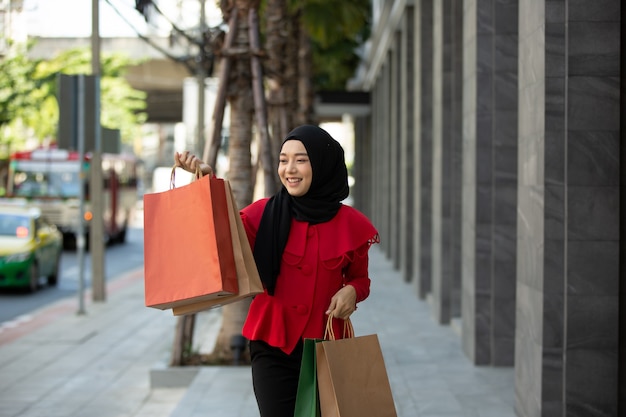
(329, 187)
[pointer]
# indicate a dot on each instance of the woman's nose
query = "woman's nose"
(291, 166)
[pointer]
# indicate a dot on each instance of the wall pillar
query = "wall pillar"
(568, 250)
(490, 164)
(426, 148)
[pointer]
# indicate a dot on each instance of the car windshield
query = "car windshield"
(14, 225)
(43, 179)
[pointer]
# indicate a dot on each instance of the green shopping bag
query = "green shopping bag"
(307, 397)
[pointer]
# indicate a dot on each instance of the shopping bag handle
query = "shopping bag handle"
(198, 174)
(329, 333)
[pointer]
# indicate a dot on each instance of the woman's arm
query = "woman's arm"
(356, 288)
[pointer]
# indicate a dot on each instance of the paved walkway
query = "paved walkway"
(59, 364)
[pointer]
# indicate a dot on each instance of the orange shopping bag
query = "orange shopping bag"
(247, 275)
(188, 250)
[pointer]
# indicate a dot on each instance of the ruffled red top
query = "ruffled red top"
(317, 262)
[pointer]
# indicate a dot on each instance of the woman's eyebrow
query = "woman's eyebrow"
(296, 154)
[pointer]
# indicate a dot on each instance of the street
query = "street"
(16, 305)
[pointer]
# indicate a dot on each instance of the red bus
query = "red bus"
(48, 178)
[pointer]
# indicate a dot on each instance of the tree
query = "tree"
(237, 69)
(28, 96)
(291, 42)
(20, 97)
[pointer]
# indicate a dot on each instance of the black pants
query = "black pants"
(275, 378)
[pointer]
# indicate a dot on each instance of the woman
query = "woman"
(312, 255)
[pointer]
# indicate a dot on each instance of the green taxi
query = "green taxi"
(30, 248)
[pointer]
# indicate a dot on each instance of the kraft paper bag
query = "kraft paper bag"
(248, 278)
(307, 397)
(188, 249)
(352, 378)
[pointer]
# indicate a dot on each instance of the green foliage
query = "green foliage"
(29, 90)
(336, 29)
(19, 97)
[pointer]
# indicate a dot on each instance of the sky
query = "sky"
(72, 18)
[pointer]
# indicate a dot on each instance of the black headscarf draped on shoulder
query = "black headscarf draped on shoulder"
(329, 187)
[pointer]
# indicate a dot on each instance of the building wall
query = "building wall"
(515, 143)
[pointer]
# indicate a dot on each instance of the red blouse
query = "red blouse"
(317, 262)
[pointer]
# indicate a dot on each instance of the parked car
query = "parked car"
(30, 248)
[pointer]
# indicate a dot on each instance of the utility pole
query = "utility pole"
(201, 76)
(96, 234)
(80, 233)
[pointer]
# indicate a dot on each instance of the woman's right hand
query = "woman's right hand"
(190, 163)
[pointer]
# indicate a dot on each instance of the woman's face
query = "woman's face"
(294, 168)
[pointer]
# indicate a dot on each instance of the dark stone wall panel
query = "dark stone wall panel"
(592, 49)
(590, 263)
(590, 375)
(554, 267)
(504, 210)
(593, 158)
(593, 213)
(591, 322)
(555, 50)
(593, 11)
(505, 170)
(554, 213)
(552, 387)
(553, 322)
(555, 147)
(593, 103)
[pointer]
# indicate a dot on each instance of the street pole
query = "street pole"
(201, 75)
(96, 235)
(80, 233)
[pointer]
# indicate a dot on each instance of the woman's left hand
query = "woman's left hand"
(343, 303)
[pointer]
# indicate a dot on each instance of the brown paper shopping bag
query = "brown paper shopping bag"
(247, 275)
(188, 252)
(352, 378)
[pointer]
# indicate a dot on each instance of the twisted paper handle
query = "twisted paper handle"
(197, 176)
(329, 333)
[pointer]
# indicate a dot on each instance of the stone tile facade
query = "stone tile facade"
(493, 147)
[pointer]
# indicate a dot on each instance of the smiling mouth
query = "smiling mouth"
(293, 180)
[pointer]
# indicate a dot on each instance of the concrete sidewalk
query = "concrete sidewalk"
(60, 364)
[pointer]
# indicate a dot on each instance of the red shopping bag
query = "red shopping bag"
(188, 251)
(247, 275)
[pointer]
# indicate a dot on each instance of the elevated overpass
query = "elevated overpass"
(159, 76)
(162, 78)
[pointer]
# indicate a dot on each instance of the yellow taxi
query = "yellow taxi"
(30, 248)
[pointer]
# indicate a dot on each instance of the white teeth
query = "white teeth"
(292, 180)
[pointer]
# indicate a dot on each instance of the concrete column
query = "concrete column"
(416, 138)
(446, 151)
(504, 184)
(394, 150)
(456, 154)
(363, 163)
(386, 193)
(568, 243)
(377, 163)
(490, 188)
(469, 185)
(407, 166)
(426, 148)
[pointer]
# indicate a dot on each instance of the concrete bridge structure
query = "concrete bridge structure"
(156, 74)
(162, 78)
